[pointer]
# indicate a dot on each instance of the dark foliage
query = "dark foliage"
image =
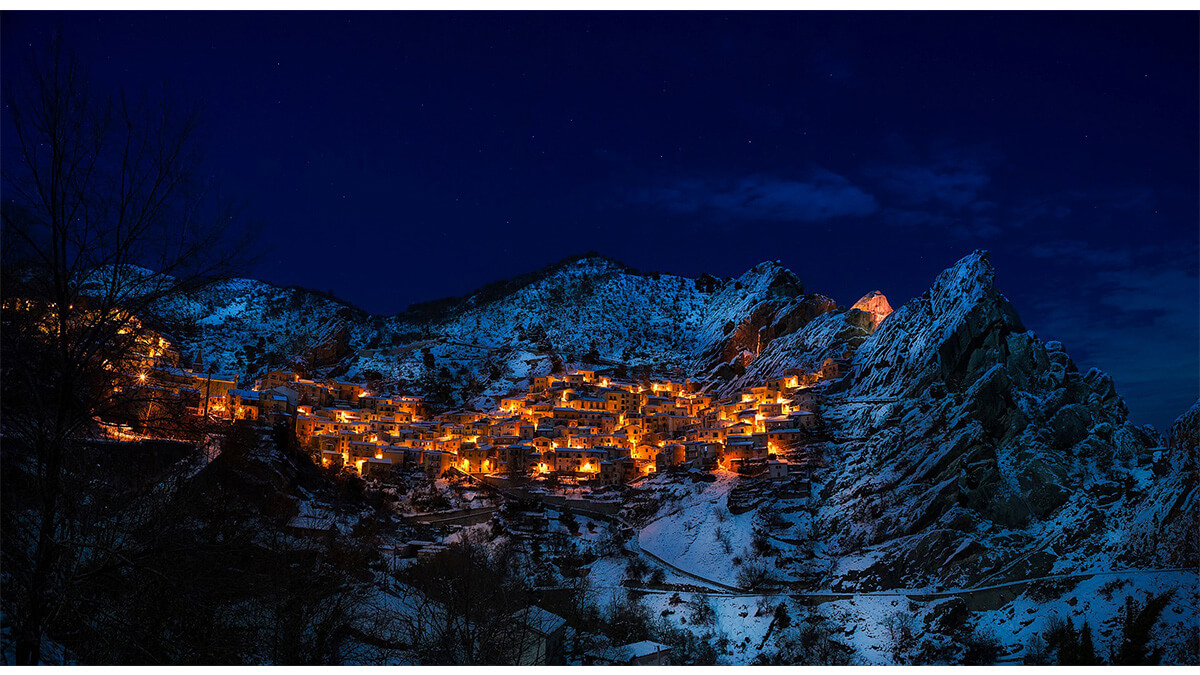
(1036, 652)
(782, 619)
(980, 648)
(901, 630)
(931, 653)
(809, 641)
(96, 191)
(474, 606)
(753, 575)
(204, 575)
(702, 612)
(1137, 621)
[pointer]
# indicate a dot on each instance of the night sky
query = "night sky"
(394, 158)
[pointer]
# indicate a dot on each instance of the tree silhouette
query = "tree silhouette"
(104, 220)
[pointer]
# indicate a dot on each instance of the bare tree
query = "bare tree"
(468, 605)
(104, 221)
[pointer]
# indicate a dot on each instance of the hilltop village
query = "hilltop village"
(584, 426)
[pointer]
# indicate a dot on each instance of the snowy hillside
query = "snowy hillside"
(585, 310)
(967, 476)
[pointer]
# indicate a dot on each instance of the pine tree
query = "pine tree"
(1136, 625)
(1087, 651)
(1068, 645)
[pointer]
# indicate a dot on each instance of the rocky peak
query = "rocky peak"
(875, 304)
(1185, 437)
(771, 275)
(966, 282)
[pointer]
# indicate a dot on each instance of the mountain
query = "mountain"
(958, 434)
(963, 439)
(584, 310)
(963, 460)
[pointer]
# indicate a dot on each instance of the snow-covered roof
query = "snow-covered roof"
(626, 653)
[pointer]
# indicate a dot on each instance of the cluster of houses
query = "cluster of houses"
(585, 425)
(582, 426)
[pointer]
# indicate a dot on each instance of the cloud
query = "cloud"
(955, 185)
(1138, 323)
(970, 225)
(946, 193)
(822, 196)
(1039, 209)
(1103, 207)
(1081, 252)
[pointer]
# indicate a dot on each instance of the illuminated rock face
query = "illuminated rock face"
(875, 304)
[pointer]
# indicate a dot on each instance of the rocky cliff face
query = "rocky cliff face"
(875, 304)
(966, 449)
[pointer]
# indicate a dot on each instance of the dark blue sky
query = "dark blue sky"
(397, 157)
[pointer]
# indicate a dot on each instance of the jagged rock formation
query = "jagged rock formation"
(875, 304)
(972, 450)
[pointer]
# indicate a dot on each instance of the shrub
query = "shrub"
(1049, 589)
(930, 653)
(1137, 620)
(980, 649)
(635, 569)
(1110, 587)
(782, 620)
(762, 545)
(901, 632)
(702, 612)
(627, 621)
(810, 642)
(723, 538)
(1036, 652)
(753, 575)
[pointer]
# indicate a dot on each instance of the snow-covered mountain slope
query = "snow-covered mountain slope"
(584, 310)
(963, 439)
(244, 326)
(592, 311)
(958, 435)
(960, 451)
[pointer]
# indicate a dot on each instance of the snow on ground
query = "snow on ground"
(592, 532)
(477, 532)
(692, 535)
(862, 619)
(1099, 601)
(609, 571)
(737, 630)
